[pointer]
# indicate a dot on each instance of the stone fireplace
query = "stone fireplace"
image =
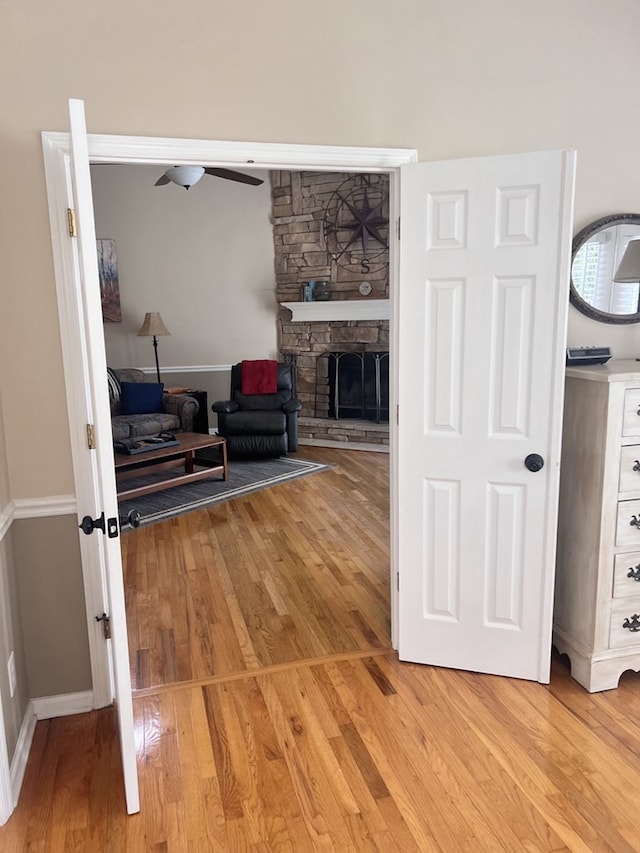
(349, 326)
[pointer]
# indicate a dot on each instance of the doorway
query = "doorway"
(112, 149)
(515, 211)
(195, 587)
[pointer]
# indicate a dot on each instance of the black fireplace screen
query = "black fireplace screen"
(358, 385)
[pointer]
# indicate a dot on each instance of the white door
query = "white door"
(105, 499)
(484, 294)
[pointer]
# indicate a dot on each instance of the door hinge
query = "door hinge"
(398, 229)
(398, 415)
(71, 222)
(398, 581)
(106, 625)
(91, 437)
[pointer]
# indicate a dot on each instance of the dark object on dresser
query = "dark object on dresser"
(260, 425)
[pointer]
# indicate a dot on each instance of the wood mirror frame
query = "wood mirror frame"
(629, 222)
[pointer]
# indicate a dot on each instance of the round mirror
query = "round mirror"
(605, 269)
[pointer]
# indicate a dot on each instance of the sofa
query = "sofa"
(158, 412)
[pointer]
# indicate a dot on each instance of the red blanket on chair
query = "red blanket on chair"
(259, 377)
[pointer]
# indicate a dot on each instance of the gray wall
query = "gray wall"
(11, 639)
(51, 594)
(11, 634)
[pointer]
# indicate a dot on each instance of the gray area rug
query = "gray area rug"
(244, 476)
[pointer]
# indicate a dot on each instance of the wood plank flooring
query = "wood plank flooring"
(322, 747)
(289, 573)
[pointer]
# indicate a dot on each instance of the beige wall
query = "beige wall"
(451, 78)
(202, 258)
(5, 493)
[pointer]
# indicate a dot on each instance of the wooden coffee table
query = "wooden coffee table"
(168, 458)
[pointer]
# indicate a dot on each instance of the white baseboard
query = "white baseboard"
(42, 709)
(63, 705)
(189, 368)
(344, 445)
(21, 754)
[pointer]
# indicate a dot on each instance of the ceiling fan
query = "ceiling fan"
(187, 176)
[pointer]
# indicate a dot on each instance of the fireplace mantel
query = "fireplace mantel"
(344, 309)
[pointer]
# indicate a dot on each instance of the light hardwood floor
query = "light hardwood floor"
(289, 573)
(298, 740)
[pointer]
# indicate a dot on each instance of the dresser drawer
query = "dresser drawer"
(631, 418)
(625, 565)
(625, 613)
(629, 469)
(627, 531)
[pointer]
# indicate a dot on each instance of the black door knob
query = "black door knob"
(88, 524)
(534, 462)
(131, 519)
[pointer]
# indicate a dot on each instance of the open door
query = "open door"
(484, 295)
(104, 542)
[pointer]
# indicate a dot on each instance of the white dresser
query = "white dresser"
(597, 601)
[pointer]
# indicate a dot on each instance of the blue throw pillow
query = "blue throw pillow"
(141, 398)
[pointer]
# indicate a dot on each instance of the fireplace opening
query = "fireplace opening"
(358, 385)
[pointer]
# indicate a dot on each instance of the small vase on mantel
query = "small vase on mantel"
(322, 291)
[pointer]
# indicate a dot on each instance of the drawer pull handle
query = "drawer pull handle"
(634, 573)
(635, 521)
(632, 624)
(636, 467)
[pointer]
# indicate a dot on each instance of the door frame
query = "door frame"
(7, 802)
(135, 150)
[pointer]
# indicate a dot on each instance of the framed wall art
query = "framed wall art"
(109, 286)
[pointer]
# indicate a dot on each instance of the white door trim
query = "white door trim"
(161, 150)
(7, 799)
(259, 155)
(65, 262)
(6, 790)
(563, 273)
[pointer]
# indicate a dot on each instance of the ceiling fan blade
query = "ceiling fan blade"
(231, 175)
(163, 179)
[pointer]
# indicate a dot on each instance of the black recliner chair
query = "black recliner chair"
(260, 425)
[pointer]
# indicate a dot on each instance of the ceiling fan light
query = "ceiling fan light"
(185, 176)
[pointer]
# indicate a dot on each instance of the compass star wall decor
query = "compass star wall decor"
(356, 223)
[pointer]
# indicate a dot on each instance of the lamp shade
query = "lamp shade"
(153, 326)
(629, 267)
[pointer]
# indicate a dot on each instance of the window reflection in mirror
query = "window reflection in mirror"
(600, 286)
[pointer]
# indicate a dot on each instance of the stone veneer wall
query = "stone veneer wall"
(299, 202)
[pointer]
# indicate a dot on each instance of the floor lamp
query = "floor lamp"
(153, 326)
